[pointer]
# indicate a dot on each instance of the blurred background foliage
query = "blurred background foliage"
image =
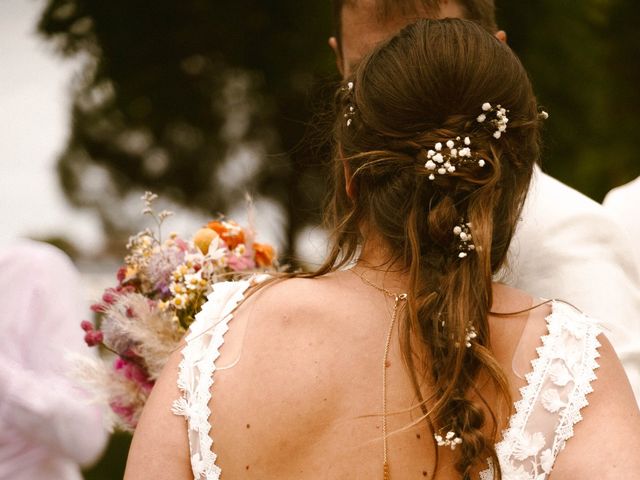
(202, 100)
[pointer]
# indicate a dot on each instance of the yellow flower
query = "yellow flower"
(203, 239)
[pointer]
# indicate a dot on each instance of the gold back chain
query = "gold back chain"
(397, 297)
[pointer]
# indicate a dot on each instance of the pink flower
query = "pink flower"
(122, 274)
(93, 338)
(126, 289)
(86, 325)
(239, 264)
(133, 372)
(109, 296)
(97, 307)
(182, 245)
(125, 412)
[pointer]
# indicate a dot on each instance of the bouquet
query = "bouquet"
(161, 287)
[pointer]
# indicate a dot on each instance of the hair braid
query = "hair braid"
(422, 87)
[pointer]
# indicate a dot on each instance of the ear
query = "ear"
(349, 186)
(333, 43)
(502, 36)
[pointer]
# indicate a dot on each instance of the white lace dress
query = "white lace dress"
(556, 389)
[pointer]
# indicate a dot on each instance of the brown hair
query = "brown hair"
(427, 85)
(481, 11)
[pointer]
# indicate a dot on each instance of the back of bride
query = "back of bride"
(400, 358)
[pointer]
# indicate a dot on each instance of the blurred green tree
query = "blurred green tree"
(197, 100)
(203, 100)
(578, 55)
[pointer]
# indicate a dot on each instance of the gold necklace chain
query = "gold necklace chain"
(397, 297)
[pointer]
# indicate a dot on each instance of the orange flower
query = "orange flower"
(264, 254)
(230, 232)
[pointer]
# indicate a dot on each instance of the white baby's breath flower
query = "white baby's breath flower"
(164, 215)
(148, 197)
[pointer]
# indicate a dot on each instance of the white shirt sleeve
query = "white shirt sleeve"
(623, 203)
(568, 247)
(42, 306)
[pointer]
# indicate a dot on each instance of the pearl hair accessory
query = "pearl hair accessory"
(351, 110)
(445, 159)
(449, 440)
(496, 116)
(470, 335)
(463, 232)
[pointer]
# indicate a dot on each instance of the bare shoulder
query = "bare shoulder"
(160, 446)
(607, 438)
(606, 441)
(298, 295)
(291, 314)
(516, 326)
(291, 309)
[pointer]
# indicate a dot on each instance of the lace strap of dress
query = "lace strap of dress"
(195, 374)
(556, 391)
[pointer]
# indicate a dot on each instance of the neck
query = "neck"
(378, 264)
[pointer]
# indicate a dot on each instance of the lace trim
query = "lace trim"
(562, 318)
(206, 336)
(578, 397)
(195, 374)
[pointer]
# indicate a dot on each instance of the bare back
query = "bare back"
(297, 389)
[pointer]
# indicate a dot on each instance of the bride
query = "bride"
(399, 358)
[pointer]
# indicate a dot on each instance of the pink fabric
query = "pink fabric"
(47, 427)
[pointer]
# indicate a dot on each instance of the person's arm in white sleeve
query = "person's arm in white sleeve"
(48, 411)
(568, 247)
(37, 398)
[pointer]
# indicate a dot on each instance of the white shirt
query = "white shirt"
(47, 427)
(623, 203)
(568, 247)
